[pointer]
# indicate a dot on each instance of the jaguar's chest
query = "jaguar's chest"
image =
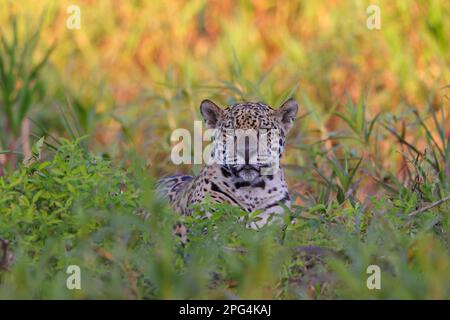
(255, 197)
(262, 193)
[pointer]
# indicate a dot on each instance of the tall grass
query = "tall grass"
(367, 161)
(20, 84)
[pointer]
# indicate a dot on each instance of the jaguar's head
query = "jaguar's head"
(249, 138)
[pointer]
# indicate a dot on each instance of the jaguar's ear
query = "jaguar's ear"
(286, 114)
(211, 113)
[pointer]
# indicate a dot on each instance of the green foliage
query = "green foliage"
(369, 176)
(20, 83)
(79, 209)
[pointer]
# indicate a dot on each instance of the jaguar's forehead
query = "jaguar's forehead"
(248, 115)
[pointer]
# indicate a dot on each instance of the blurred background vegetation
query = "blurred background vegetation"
(372, 142)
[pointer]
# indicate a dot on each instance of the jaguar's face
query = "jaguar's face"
(249, 137)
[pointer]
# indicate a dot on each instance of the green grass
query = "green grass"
(367, 161)
(76, 208)
(20, 84)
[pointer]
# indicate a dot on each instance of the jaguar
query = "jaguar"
(248, 141)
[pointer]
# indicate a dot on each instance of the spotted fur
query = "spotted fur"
(242, 185)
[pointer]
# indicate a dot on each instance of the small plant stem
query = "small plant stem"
(426, 208)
